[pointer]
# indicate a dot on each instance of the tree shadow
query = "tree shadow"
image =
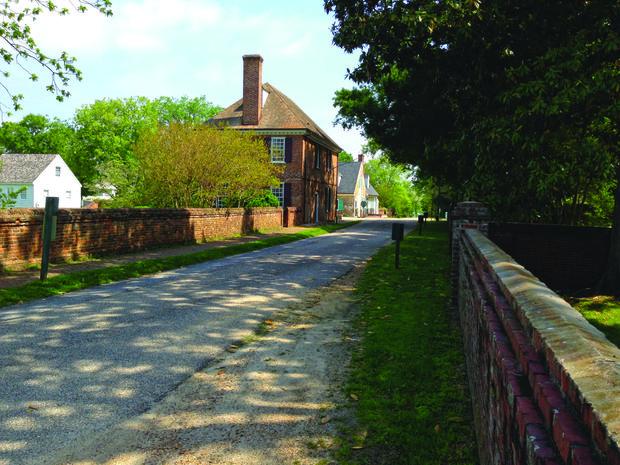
(75, 365)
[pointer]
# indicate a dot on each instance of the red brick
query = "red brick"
(526, 414)
(567, 433)
(583, 456)
(117, 230)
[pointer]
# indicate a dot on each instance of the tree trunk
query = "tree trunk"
(610, 283)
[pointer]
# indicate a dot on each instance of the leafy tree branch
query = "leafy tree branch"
(19, 50)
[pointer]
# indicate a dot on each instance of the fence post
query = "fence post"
(464, 215)
(49, 232)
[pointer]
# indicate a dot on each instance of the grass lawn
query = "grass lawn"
(408, 383)
(602, 311)
(83, 279)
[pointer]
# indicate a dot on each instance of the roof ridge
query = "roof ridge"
(280, 96)
(286, 100)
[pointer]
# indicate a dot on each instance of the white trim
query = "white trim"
(281, 158)
(278, 191)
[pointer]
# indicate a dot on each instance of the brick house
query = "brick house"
(309, 183)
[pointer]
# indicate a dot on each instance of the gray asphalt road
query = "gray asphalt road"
(79, 363)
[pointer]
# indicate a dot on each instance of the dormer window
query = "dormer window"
(277, 149)
(58, 171)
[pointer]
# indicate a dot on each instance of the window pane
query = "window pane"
(277, 149)
(278, 191)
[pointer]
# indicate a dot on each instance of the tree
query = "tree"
(35, 134)
(193, 165)
(9, 199)
(106, 131)
(20, 49)
(345, 157)
(480, 94)
(393, 184)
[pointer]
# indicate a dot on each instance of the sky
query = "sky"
(191, 48)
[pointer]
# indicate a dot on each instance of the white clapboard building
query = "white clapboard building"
(43, 175)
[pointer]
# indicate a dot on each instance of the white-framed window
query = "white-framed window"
(67, 194)
(24, 194)
(58, 171)
(278, 145)
(278, 191)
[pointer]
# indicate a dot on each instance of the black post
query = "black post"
(398, 234)
(49, 232)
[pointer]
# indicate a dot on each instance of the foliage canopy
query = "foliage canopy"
(97, 143)
(192, 165)
(478, 94)
(515, 104)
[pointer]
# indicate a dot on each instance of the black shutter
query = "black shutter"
(268, 145)
(328, 198)
(287, 195)
(288, 150)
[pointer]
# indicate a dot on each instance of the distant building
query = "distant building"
(356, 196)
(310, 156)
(43, 175)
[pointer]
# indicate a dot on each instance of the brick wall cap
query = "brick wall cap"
(590, 360)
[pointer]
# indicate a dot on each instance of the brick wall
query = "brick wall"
(545, 384)
(564, 257)
(465, 215)
(292, 217)
(305, 180)
(81, 232)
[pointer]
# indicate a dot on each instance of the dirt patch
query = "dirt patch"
(271, 401)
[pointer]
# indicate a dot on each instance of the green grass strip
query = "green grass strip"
(603, 312)
(408, 380)
(83, 279)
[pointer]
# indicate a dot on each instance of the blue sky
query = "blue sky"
(194, 47)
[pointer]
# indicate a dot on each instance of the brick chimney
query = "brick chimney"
(360, 158)
(252, 89)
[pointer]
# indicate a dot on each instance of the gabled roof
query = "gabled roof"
(370, 190)
(349, 173)
(278, 112)
(23, 167)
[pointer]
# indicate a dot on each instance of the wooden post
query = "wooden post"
(49, 233)
(398, 234)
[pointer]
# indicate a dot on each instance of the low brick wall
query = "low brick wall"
(566, 258)
(98, 232)
(545, 383)
(292, 216)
